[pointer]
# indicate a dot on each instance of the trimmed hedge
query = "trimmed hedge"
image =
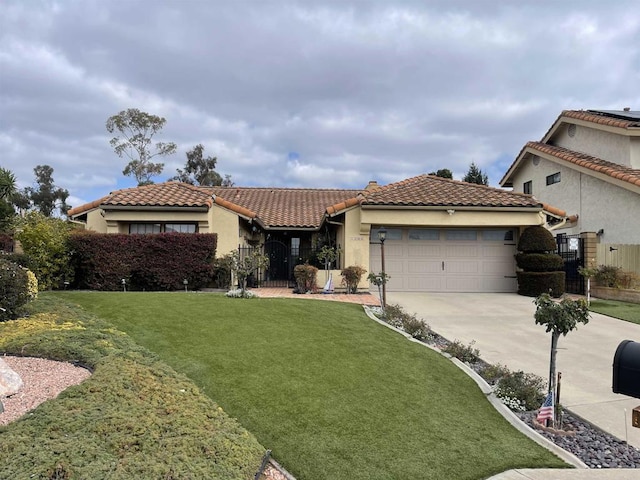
(537, 239)
(539, 262)
(532, 284)
(305, 276)
(17, 286)
(147, 262)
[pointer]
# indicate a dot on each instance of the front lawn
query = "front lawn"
(613, 308)
(135, 417)
(333, 394)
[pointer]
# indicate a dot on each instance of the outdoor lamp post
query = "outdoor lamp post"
(382, 236)
(185, 282)
(124, 285)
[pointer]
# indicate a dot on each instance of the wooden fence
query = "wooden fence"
(626, 257)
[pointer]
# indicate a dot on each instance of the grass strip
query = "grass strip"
(135, 417)
(333, 394)
(629, 312)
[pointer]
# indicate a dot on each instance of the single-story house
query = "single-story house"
(442, 235)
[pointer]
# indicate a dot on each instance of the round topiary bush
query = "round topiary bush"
(539, 262)
(537, 239)
(532, 284)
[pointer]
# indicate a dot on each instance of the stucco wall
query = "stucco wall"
(226, 225)
(598, 204)
(96, 222)
(608, 146)
(441, 218)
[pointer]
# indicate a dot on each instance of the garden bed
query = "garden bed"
(619, 294)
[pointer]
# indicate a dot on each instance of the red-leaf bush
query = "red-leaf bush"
(147, 262)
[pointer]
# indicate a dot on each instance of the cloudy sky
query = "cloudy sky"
(304, 94)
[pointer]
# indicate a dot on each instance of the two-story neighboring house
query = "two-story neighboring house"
(588, 165)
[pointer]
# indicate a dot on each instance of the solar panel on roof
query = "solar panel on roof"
(631, 115)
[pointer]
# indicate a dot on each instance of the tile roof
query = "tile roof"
(429, 190)
(601, 118)
(169, 194)
(613, 170)
(283, 207)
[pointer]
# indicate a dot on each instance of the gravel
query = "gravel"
(43, 379)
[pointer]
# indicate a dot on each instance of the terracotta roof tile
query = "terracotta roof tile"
(614, 170)
(428, 190)
(284, 207)
(169, 194)
(600, 118)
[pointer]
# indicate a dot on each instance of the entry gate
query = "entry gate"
(571, 249)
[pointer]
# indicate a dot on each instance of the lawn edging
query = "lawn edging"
(511, 417)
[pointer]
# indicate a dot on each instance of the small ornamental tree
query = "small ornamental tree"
(244, 266)
(305, 276)
(541, 268)
(559, 318)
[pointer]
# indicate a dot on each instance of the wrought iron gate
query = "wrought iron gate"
(571, 249)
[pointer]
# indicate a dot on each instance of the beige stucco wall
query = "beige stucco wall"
(598, 204)
(606, 145)
(226, 224)
(96, 222)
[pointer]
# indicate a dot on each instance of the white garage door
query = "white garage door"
(447, 260)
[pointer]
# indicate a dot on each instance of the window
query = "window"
(424, 234)
(461, 235)
(527, 187)
(295, 246)
(145, 228)
(392, 234)
(497, 235)
(555, 178)
(139, 228)
(180, 227)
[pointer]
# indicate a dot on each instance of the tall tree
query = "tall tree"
(46, 197)
(7, 183)
(199, 170)
(475, 175)
(7, 192)
(134, 135)
(443, 173)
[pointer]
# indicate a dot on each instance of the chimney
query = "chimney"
(373, 185)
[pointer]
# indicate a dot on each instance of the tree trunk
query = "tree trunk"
(552, 361)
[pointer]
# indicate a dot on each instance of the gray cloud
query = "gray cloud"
(358, 90)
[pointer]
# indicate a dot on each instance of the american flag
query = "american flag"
(546, 410)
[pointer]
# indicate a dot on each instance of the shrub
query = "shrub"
(6, 242)
(394, 315)
(493, 373)
(149, 262)
(44, 240)
(532, 284)
(16, 289)
(628, 280)
(222, 271)
(305, 276)
(351, 277)
(539, 262)
(526, 388)
(240, 293)
(607, 275)
(537, 239)
(464, 353)
(21, 259)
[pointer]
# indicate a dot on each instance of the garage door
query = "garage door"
(447, 260)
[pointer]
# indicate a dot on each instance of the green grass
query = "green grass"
(333, 394)
(612, 308)
(135, 417)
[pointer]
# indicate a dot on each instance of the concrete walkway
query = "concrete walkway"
(504, 329)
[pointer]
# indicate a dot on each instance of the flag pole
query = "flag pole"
(555, 411)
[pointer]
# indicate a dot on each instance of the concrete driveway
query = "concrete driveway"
(505, 332)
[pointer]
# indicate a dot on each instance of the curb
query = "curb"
(495, 401)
